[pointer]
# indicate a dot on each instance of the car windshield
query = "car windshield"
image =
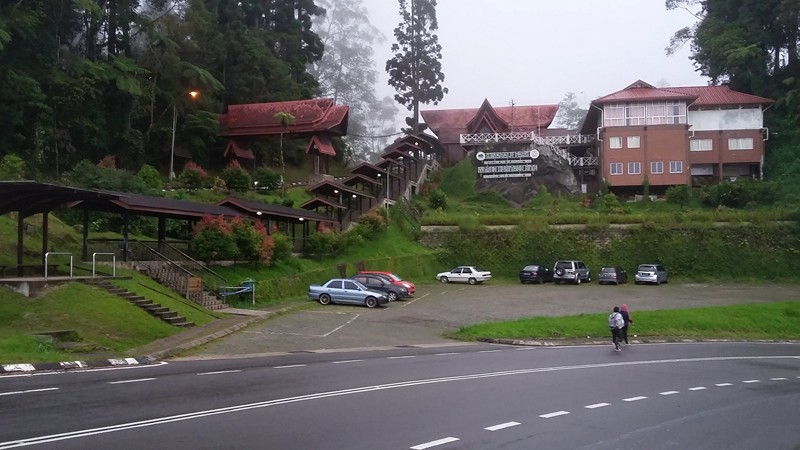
(647, 268)
(607, 270)
(393, 277)
(564, 265)
(531, 268)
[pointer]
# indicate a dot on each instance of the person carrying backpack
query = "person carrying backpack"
(615, 325)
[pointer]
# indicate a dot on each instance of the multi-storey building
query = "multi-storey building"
(677, 136)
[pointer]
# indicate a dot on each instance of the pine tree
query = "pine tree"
(415, 71)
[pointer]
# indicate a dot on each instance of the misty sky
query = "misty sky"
(535, 51)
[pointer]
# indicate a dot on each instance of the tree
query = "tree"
(415, 71)
(570, 114)
(345, 73)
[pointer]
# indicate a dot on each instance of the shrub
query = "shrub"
(282, 247)
(267, 179)
(150, 177)
(193, 176)
(212, 239)
(236, 178)
(325, 242)
(370, 224)
(437, 199)
(609, 203)
(12, 167)
(679, 195)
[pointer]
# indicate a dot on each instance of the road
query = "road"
(700, 395)
(342, 377)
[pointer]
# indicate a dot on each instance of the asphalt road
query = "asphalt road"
(655, 396)
(439, 308)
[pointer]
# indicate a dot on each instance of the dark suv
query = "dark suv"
(572, 271)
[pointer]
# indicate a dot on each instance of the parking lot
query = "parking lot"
(438, 308)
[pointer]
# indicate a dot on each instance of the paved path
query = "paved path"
(439, 308)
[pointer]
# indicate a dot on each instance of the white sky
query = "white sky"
(536, 51)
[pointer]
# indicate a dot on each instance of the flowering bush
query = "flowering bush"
(236, 178)
(193, 176)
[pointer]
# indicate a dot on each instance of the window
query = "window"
(700, 145)
(616, 168)
(634, 114)
(350, 285)
(656, 167)
(634, 168)
(676, 167)
(614, 115)
(633, 141)
(740, 144)
(615, 142)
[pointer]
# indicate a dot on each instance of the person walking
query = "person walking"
(626, 316)
(615, 324)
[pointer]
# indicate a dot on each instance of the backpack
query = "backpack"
(615, 320)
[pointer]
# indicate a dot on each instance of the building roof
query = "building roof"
(321, 143)
(310, 117)
(274, 212)
(695, 96)
(238, 151)
(32, 197)
(450, 124)
(148, 205)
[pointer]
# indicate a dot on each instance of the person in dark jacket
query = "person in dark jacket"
(626, 316)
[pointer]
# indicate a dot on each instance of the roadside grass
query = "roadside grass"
(769, 321)
(100, 322)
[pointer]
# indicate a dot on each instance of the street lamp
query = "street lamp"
(193, 95)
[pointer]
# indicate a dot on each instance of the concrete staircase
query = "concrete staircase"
(155, 309)
(178, 281)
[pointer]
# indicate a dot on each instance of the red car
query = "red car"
(394, 279)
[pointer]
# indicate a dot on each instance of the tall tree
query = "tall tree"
(346, 73)
(570, 114)
(415, 70)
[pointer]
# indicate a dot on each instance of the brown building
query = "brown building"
(677, 135)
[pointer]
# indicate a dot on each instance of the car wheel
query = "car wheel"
(577, 280)
(444, 280)
(392, 295)
(472, 281)
(324, 299)
(371, 302)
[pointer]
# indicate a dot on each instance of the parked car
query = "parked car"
(612, 275)
(651, 273)
(382, 284)
(346, 291)
(394, 278)
(573, 271)
(535, 273)
(464, 274)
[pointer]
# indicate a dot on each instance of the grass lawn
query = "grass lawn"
(773, 321)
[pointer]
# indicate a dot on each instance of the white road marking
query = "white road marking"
(446, 354)
(525, 349)
(220, 372)
(669, 393)
(348, 361)
(131, 381)
(489, 351)
(633, 399)
(597, 405)
(751, 381)
(341, 326)
(723, 384)
(554, 414)
(698, 388)
(430, 444)
(37, 440)
(779, 379)
(289, 366)
(502, 426)
(401, 357)
(28, 391)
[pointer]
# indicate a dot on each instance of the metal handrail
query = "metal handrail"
(196, 263)
(113, 263)
(47, 255)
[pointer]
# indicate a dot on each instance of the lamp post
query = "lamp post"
(193, 95)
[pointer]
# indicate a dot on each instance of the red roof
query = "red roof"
(449, 124)
(694, 96)
(322, 144)
(310, 116)
(238, 151)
